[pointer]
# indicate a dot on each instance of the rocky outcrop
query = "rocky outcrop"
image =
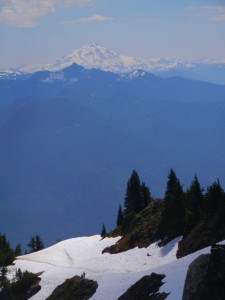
(142, 231)
(74, 288)
(146, 288)
(206, 276)
(208, 231)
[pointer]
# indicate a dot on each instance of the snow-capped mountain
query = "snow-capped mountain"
(12, 74)
(96, 56)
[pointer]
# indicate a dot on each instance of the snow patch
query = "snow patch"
(114, 273)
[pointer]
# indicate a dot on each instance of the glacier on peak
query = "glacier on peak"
(95, 56)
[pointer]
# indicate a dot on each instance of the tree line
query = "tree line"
(182, 210)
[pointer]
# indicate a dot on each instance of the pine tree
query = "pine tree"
(4, 282)
(18, 250)
(32, 244)
(103, 233)
(195, 203)
(7, 254)
(36, 244)
(173, 216)
(133, 202)
(214, 198)
(120, 217)
(18, 274)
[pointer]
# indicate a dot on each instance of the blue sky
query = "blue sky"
(40, 31)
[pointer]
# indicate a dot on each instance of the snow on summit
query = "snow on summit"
(114, 273)
(95, 56)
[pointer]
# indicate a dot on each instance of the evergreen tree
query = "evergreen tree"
(32, 244)
(39, 243)
(18, 250)
(133, 202)
(4, 282)
(195, 203)
(36, 244)
(18, 274)
(214, 198)
(7, 255)
(120, 217)
(103, 233)
(173, 216)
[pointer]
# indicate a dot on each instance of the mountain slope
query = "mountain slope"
(114, 273)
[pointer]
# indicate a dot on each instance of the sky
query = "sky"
(36, 32)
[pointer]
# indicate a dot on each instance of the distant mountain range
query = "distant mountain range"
(70, 138)
(96, 56)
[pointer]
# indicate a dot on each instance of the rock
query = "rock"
(74, 289)
(206, 276)
(196, 277)
(146, 288)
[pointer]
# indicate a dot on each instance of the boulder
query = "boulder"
(146, 288)
(74, 288)
(206, 276)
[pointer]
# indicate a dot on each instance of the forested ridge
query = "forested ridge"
(196, 214)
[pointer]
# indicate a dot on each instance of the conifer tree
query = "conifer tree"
(7, 254)
(4, 282)
(39, 243)
(133, 202)
(36, 244)
(32, 244)
(18, 250)
(120, 217)
(214, 198)
(18, 274)
(103, 233)
(173, 217)
(195, 203)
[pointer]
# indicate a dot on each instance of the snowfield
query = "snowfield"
(114, 273)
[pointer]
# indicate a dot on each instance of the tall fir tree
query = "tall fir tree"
(103, 232)
(173, 216)
(4, 282)
(133, 202)
(32, 244)
(7, 254)
(18, 250)
(214, 199)
(39, 243)
(36, 244)
(195, 203)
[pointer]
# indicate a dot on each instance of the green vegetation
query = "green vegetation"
(120, 217)
(103, 233)
(193, 214)
(137, 196)
(7, 254)
(24, 286)
(36, 244)
(173, 216)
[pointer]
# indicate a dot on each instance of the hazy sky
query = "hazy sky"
(40, 31)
